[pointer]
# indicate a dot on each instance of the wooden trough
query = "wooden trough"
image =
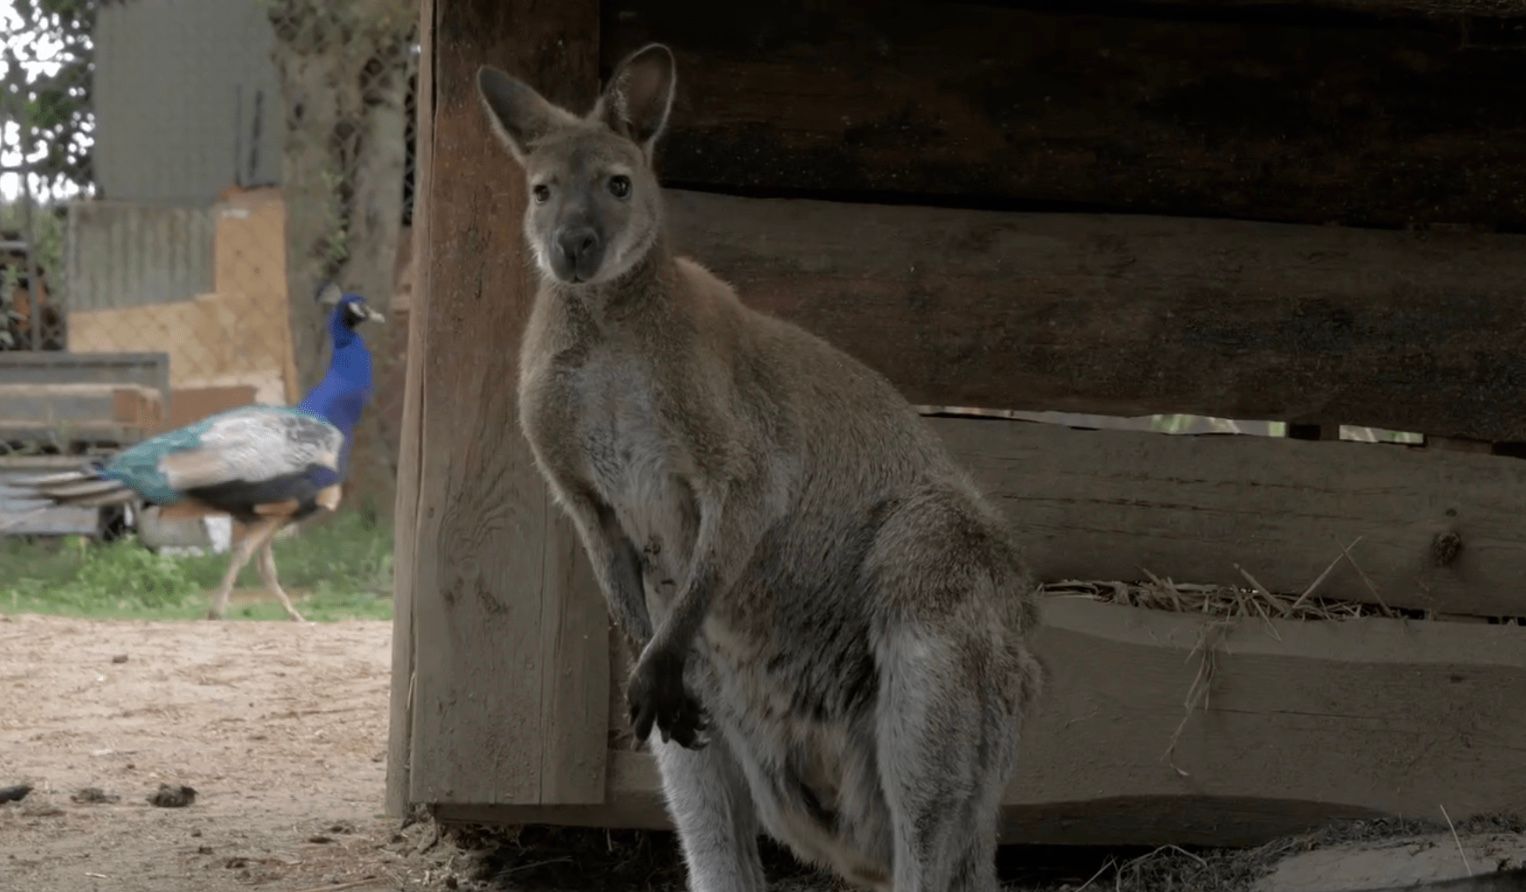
(1119, 208)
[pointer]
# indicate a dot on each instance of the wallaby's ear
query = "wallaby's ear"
(639, 96)
(329, 295)
(519, 115)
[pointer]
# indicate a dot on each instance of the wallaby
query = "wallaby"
(830, 617)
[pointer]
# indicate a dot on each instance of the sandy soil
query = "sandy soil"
(280, 728)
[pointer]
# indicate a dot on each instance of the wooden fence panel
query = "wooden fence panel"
(1296, 117)
(1139, 315)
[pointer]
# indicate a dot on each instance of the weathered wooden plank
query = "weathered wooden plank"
(1386, 8)
(122, 369)
(493, 619)
(1306, 723)
(411, 448)
(633, 800)
(1506, 9)
(1301, 119)
(65, 404)
(1112, 504)
(1476, 860)
(1138, 315)
(575, 641)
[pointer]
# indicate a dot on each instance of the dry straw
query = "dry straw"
(1222, 605)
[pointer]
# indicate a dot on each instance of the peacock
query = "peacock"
(267, 466)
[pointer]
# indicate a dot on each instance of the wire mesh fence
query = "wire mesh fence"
(177, 179)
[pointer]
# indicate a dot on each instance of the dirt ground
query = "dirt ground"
(280, 729)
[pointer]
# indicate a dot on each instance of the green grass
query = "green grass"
(337, 568)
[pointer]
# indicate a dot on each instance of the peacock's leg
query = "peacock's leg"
(268, 574)
(255, 536)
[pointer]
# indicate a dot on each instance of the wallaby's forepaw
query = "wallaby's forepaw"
(658, 698)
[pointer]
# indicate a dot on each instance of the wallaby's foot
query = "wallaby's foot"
(214, 613)
(657, 697)
(294, 616)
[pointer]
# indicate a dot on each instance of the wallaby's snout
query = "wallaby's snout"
(595, 207)
(579, 253)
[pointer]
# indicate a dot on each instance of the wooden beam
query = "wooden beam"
(1305, 723)
(1506, 9)
(1112, 505)
(511, 645)
(1140, 315)
(1313, 119)
(411, 442)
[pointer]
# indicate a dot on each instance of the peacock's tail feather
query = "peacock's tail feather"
(85, 488)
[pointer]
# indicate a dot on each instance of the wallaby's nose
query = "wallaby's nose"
(579, 246)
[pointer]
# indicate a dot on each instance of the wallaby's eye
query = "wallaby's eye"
(542, 193)
(620, 186)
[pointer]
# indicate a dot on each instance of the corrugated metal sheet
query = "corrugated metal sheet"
(125, 255)
(187, 100)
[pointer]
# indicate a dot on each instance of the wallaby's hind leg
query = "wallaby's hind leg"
(713, 810)
(946, 750)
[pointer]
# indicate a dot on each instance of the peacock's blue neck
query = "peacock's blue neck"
(342, 394)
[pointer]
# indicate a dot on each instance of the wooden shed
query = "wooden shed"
(1303, 211)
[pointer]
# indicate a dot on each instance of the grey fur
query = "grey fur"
(817, 591)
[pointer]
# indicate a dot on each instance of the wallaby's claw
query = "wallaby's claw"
(658, 699)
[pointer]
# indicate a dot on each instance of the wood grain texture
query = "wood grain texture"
(575, 642)
(1314, 119)
(494, 622)
(411, 448)
(1138, 315)
(1507, 9)
(1113, 504)
(1307, 723)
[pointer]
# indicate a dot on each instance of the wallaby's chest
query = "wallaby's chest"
(628, 457)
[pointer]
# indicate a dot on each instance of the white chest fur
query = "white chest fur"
(633, 465)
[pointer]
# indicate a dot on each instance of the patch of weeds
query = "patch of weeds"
(335, 568)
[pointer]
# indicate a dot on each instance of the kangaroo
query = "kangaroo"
(830, 618)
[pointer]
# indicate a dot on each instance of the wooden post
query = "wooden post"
(411, 446)
(500, 691)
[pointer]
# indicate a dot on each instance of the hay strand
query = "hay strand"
(1215, 601)
(1458, 840)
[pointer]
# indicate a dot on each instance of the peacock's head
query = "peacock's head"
(349, 311)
